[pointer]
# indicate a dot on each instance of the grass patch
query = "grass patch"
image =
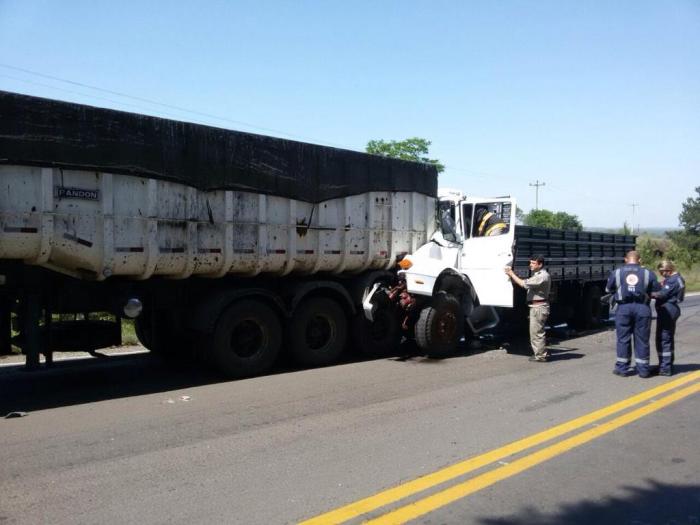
(127, 327)
(692, 278)
(129, 332)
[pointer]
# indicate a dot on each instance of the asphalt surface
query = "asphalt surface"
(127, 439)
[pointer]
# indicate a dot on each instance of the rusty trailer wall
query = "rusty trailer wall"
(93, 225)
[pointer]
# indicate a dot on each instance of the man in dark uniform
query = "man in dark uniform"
(632, 285)
(668, 311)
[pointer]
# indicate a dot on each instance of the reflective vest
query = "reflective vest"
(632, 284)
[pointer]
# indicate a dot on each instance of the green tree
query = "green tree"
(690, 214)
(550, 219)
(415, 149)
(647, 252)
(687, 242)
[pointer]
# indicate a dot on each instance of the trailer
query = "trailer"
(221, 244)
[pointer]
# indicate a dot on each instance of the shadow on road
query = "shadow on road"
(88, 380)
(655, 503)
(80, 381)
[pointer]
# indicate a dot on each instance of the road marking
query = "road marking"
(461, 490)
(391, 495)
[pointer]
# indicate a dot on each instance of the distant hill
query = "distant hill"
(652, 232)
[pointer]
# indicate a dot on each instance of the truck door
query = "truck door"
(488, 227)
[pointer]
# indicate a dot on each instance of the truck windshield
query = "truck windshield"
(448, 225)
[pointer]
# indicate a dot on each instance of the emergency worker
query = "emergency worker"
(632, 285)
(668, 311)
(537, 286)
(488, 222)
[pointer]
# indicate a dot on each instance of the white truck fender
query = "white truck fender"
(367, 305)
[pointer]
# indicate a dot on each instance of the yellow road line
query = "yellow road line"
(431, 503)
(391, 495)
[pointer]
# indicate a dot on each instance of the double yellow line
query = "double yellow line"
(439, 499)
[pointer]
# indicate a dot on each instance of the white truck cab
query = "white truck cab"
(457, 277)
(463, 243)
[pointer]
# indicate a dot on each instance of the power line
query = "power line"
(97, 97)
(170, 106)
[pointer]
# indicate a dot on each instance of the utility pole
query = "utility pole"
(537, 185)
(634, 207)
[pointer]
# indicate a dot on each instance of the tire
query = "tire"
(378, 338)
(439, 326)
(318, 332)
(165, 337)
(142, 328)
(588, 312)
(246, 340)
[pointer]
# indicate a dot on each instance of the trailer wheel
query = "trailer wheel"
(142, 328)
(381, 337)
(170, 339)
(246, 340)
(318, 332)
(588, 312)
(439, 326)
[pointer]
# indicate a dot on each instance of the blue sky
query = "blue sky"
(598, 99)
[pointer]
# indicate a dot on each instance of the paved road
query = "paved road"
(125, 440)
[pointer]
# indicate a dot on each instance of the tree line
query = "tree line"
(417, 149)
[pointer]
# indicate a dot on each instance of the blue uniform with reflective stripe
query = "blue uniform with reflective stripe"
(668, 311)
(632, 286)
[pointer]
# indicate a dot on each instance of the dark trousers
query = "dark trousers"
(666, 317)
(633, 319)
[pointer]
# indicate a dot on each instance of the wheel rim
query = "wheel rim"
(446, 326)
(247, 338)
(320, 331)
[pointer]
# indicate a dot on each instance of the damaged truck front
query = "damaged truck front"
(450, 286)
(455, 285)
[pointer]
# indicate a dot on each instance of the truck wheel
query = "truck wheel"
(318, 332)
(381, 337)
(246, 340)
(588, 311)
(439, 326)
(170, 339)
(142, 328)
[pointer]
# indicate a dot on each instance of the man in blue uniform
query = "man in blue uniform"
(668, 311)
(632, 285)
